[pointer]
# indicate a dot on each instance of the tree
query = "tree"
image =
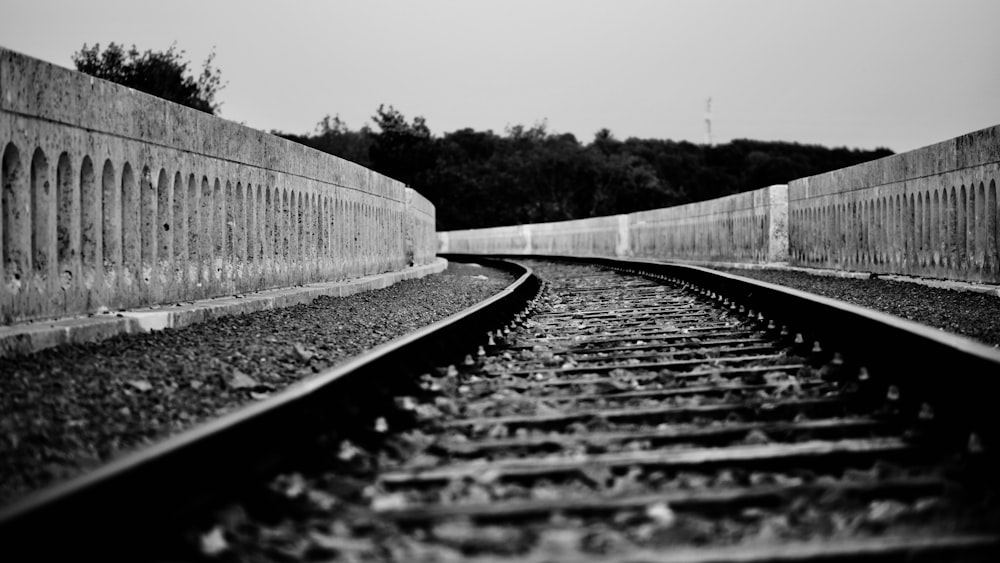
(399, 149)
(163, 74)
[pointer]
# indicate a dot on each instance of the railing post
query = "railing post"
(777, 223)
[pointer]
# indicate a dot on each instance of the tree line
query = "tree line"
(530, 174)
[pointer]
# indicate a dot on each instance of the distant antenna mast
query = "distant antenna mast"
(708, 121)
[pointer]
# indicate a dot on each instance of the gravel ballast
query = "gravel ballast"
(971, 314)
(68, 409)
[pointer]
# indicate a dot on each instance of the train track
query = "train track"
(630, 412)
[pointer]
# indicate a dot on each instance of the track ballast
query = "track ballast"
(626, 419)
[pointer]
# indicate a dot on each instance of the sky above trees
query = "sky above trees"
(860, 73)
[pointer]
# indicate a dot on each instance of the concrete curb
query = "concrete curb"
(953, 285)
(28, 338)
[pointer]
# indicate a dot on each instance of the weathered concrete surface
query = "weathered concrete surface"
(929, 212)
(751, 226)
(26, 338)
(733, 228)
(114, 199)
(420, 224)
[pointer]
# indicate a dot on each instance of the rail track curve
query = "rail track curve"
(601, 410)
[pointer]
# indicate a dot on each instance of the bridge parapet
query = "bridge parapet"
(748, 227)
(114, 199)
(929, 212)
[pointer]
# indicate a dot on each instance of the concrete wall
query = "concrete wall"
(929, 212)
(747, 227)
(420, 238)
(115, 199)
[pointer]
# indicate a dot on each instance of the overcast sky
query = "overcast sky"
(861, 73)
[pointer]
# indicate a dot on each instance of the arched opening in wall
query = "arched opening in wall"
(352, 235)
(195, 252)
(258, 230)
(40, 204)
(301, 228)
(854, 228)
(321, 223)
(229, 247)
(90, 221)
(817, 235)
(314, 235)
(268, 242)
(895, 228)
(918, 230)
(219, 227)
(130, 221)
(252, 236)
(272, 209)
(111, 234)
(885, 244)
(961, 228)
(286, 221)
(130, 212)
(310, 228)
(67, 215)
(317, 226)
(979, 231)
(876, 231)
(967, 198)
(888, 239)
(207, 224)
(277, 217)
(899, 234)
(993, 227)
(295, 227)
(936, 227)
(911, 230)
(927, 227)
(290, 229)
(180, 226)
(237, 213)
(147, 225)
(336, 222)
(305, 232)
(366, 232)
(951, 250)
(13, 220)
(164, 220)
(869, 233)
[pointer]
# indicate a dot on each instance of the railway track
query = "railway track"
(631, 412)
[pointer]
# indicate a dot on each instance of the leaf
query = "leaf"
(213, 543)
(301, 353)
(391, 501)
(140, 384)
(661, 514)
(599, 475)
(560, 541)
(885, 511)
(757, 436)
(544, 409)
(240, 380)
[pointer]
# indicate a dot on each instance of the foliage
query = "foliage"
(529, 174)
(333, 136)
(163, 74)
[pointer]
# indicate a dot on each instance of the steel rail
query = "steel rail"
(926, 365)
(117, 509)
